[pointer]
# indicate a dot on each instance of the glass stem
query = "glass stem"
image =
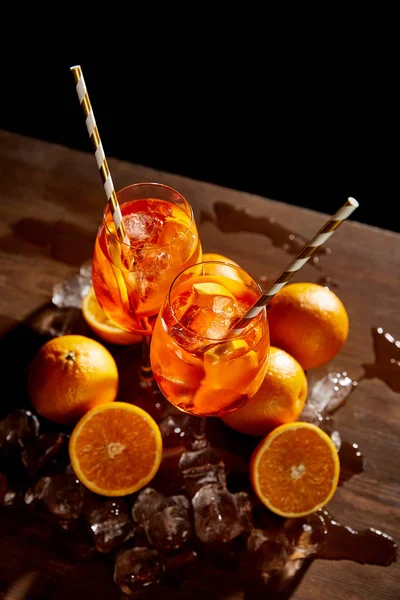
(200, 438)
(145, 370)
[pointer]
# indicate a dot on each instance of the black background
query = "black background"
(308, 119)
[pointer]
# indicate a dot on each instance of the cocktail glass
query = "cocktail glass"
(131, 278)
(201, 367)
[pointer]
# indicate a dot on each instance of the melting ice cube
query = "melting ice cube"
(330, 392)
(64, 496)
(137, 568)
(216, 514)
(170, 528)
(147, 504)
(110, 524)
(201, 467)
(69, 293)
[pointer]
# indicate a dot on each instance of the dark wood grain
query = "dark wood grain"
(51, 201)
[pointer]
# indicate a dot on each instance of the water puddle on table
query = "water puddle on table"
(230, 219)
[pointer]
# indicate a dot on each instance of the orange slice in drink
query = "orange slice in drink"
(210, 288)
(175, 227)
(101, 324)
(230, 366)
(230, 287)
(229, 371)
(295, 469)
(211, 401)
(115, 449)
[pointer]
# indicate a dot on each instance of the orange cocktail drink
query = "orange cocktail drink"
(200, 366)
(131, 278)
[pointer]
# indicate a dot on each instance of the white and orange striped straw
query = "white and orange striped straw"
(99, 153)
(318, 240)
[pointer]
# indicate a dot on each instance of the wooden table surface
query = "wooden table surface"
(51, 201)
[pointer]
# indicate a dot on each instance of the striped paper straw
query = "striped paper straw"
(318, 240)
(99, 153)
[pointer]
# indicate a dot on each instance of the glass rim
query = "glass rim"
(155, 184)
(244, 331)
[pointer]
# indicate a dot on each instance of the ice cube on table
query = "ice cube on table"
(148, 502)
(305, 536)
(69, 293)
(281, 552)
(327, 392)
(267, 552)
(49, 451)
(336, 439)
(201, 467)
(20, 428)
(311, 415)
(85, 270)
(216, 514)
(137, 568)
(110, 524)
(330, 392)
(64, 496)
(170, 528)
(165, 520)
(245, 510)
(7, 495)
(35, 494)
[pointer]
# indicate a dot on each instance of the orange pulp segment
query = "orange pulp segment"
(295, 469)
(115, 449)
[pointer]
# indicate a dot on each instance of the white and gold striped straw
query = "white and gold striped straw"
(99, 153)
(318, 240)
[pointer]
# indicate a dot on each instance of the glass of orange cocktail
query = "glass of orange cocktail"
(200, 366)
(132, 277)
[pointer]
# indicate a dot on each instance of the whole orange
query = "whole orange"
(229, 272)
(279, 400)
(309, 321)
(69, 375)
(219, 257)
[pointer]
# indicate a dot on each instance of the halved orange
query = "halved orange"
(115, 449)
(101, 324)
(295, 469)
